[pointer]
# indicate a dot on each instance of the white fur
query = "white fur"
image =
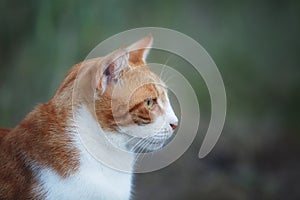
(170, 115)
(160, 129)
(160, 125)
(93, 180)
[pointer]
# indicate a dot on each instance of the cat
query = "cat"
(43, 157)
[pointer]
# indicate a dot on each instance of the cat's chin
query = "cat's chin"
(147, 145)
(134, 144)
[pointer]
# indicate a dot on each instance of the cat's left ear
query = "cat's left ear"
(139, 50)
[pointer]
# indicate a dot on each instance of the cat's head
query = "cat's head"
(131, 102)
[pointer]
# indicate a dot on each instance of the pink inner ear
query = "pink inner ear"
(111, 66)
(109, 71)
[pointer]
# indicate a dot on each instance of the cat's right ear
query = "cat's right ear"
(110, 68)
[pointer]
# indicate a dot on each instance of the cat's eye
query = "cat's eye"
(149, 102)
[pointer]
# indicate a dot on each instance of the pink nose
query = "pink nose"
(173, 126)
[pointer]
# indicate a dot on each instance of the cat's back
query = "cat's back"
(4, 132)
(15, 179)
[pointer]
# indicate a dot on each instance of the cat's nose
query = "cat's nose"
(173, 126)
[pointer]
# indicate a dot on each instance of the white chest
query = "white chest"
(92, 181)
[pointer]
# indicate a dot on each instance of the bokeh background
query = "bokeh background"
(255, 44)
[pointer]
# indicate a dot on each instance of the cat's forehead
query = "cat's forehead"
(149, 90)
(141, 83)
(142, 74)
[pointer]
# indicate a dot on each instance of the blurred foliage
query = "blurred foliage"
(255, 44)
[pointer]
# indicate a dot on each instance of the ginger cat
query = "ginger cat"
(43, 158)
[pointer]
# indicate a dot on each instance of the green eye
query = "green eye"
(149, 103)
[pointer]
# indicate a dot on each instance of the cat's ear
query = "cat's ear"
(139, 50)
(110, 67)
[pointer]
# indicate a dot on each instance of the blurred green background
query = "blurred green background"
(255, 44)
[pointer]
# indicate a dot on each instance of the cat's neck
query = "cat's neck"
(94, 178)
(73, 107)
(94, 140)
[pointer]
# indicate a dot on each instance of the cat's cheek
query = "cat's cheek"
(156, 112)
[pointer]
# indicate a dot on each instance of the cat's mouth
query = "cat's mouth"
(141, 143)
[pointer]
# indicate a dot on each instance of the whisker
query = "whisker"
(139, 143)
(139, 153)
(152, 152)
(164, 65)
(147, 145)
(136, 145)
(127, 141)
(168, 79)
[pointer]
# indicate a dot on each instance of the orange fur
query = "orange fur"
(40, 138)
